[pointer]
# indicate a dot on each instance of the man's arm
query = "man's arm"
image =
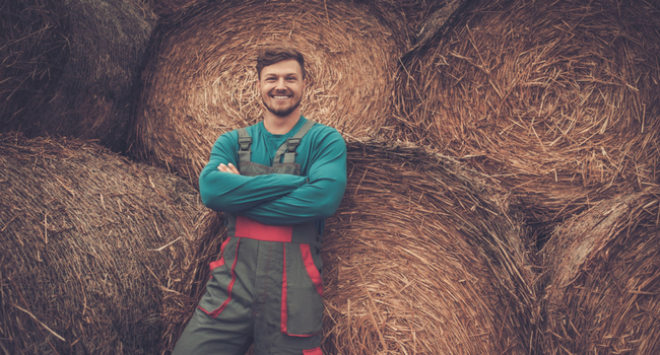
(317, 199)
(228, 192)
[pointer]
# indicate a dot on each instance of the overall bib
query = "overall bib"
(267, 286)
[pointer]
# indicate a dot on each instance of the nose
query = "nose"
(280, 84)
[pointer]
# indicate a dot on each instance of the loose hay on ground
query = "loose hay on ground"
(69, 67)
(421, 258)
(603, 279)
(559, 99)
(87, 244)
(200, 81)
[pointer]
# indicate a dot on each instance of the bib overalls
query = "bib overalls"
(267, 286)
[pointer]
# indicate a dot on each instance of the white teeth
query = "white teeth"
(281, 97)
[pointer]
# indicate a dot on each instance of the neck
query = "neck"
(281, 125)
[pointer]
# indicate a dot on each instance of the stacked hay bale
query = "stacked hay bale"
(88, 241)
(603, 279)
(69, 67)
(421, 258)
(200, 81)
(558, 99)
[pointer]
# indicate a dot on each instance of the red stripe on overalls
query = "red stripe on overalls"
(284, 316)
(249, 228)
(315, 351)
(311, 268)
(220, 262)
(222, 307)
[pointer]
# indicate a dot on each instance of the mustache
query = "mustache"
(275, 92)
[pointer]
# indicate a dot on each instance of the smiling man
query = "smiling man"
(276, 182)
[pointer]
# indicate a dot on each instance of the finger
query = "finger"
(223, 168)
(234, 169)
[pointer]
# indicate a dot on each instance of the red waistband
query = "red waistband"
(249, 228)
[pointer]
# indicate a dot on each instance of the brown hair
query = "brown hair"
(275, 54)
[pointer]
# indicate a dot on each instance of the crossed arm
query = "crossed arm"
(277, 199)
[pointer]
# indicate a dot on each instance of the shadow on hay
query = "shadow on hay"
(69, 67)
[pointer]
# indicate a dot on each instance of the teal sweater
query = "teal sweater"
(278, 199)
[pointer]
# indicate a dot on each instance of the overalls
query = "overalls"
(267, 286)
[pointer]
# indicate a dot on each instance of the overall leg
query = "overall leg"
(223, 322)
(289, 315)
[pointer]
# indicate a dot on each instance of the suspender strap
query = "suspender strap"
(289, 147)
(244, 142)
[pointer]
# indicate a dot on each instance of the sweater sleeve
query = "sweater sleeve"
(317, 199)
(227, 192)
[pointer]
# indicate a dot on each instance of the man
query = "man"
(276, 181)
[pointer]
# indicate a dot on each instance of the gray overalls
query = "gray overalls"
(267, 286)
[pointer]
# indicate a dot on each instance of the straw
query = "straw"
(69, 67)
(557, 99)
(603, 279)
(88, 243)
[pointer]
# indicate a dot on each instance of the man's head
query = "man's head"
(281, 73)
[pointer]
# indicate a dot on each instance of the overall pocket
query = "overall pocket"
(302, 291)
(223, 276)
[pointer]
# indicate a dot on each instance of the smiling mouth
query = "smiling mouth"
(280, 97)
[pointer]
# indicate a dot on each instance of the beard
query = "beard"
(282, 112)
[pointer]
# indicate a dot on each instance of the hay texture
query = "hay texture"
(559, 99)
(69, 67)
(416, 20)
(87, 243)
(421, 258)
(603, 279)
(407, 17)
(170, 7)
(201, 79)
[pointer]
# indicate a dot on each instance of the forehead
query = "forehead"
(285, 67)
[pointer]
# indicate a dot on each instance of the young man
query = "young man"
(275, 181)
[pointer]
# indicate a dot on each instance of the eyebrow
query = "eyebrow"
(287, 74)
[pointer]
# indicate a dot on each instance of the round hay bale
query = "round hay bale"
(201, 79)
(88, 241)
(69, 67)
(603, 279)
(420, 258)
(557, 98)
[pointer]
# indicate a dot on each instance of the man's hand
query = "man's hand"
(230, 168)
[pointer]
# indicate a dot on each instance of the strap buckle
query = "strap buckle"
(245, 142)
(292, 144)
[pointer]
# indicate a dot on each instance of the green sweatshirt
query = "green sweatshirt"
(278, 199)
